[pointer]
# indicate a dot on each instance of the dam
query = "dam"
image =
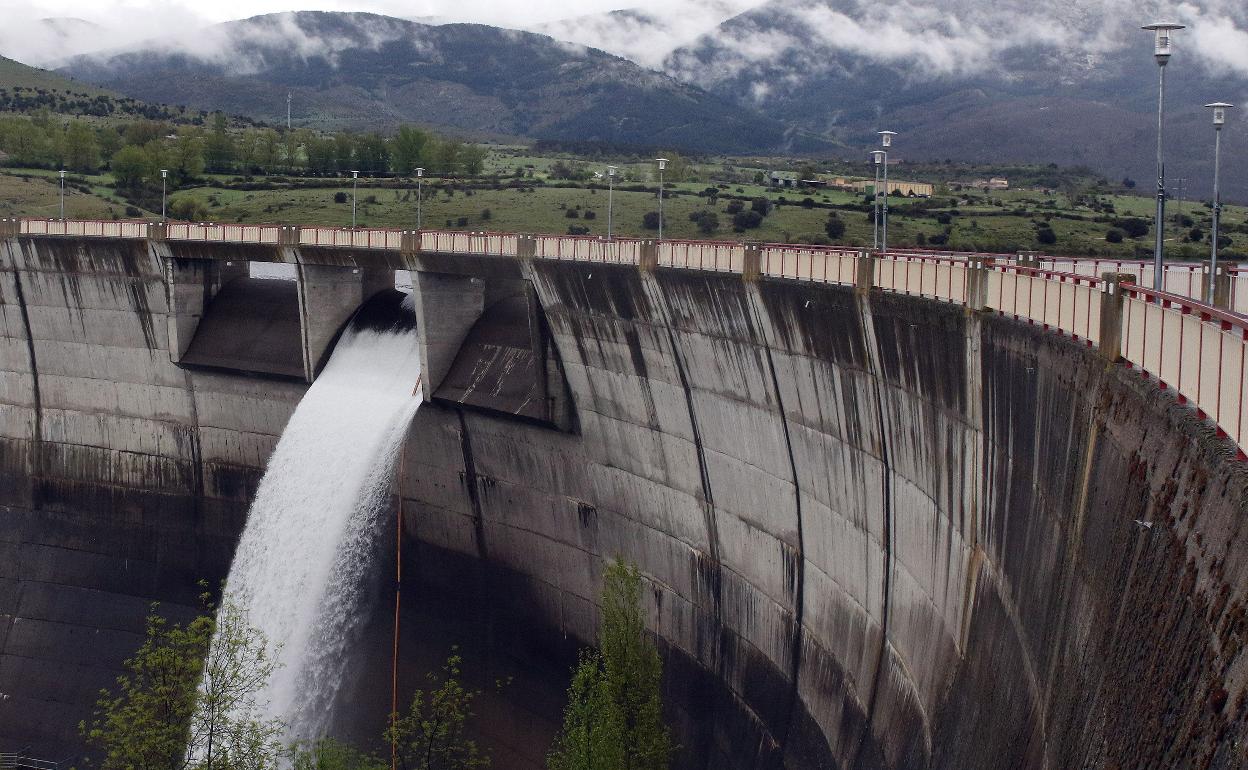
(892, 510)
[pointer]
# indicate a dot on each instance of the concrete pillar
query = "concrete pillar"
(10, 228)
(752, 267)
(1110, 345)
(976, 285)
(158, 231)
(288, 235)
(864, 271)
(328, 296)
(1028, 259)
(409, 243)
(649, 256)
(447, 306)
(526, 246)
(190, 285)
(1221, 290)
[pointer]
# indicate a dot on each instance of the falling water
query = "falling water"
(316, 524)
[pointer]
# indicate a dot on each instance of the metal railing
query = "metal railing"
(936, 277)
(1064, 302)
(584, 248)
(810, 263)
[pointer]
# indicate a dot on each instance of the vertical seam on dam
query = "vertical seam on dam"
(470, 481)
(708, 506)
(866, 318)
(36, 452)
(799, 597)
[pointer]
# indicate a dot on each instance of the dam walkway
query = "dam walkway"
(1197, 349)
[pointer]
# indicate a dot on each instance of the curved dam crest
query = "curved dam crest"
(878, 531)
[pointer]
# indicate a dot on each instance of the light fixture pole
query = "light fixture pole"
(886, 141)
(1219, 120)
(355, 189)
(878, 156)
(62, 173)
(420, 176)
(662, 165)
(611, 197)
(1163, 32)
(164, 174)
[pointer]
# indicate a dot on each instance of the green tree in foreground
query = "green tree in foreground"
(432, 735)
(614, 718)
(188, 699)
(329, 754)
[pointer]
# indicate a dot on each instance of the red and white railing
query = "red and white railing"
(221, 233)
(1064, 302)
(715, 256)
(1197, 350)
(809, 263)
(359, 238)
(91, 228)
(937, 277)
(583, 248)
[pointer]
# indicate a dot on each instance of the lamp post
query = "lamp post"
(420, 176)
(662, 165)
(62, 173)
(355, 189)
(1163, 33)
(1219, 120)
(611, 196)
(164, 174)
(886, 141)
(878, 156)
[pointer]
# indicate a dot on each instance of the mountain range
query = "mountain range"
(1064, 81)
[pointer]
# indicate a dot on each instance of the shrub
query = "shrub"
(1196, 235)
(834, 227)
(808, 203)
(572, 214)
(486, 215)
(747, 220)
(340, 197)
(462, 222)
(581, 229)
(1134, 227)
(944, 218)
(1114, 235)
(1046, 236)
(650, 220)
(133, 212)
(707, 221)
(735, 207)
(760, 205)
(590, 214)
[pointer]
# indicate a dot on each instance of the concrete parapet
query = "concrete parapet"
(752, 266)
(409, 242)
(1221, 290)
(10, 228)
(158, 231)
(1111, 314)
(1029, 259)
(289, 235)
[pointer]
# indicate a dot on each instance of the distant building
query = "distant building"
(783, 179)
(908, 189)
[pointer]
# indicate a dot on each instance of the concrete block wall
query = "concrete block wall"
(879, 532)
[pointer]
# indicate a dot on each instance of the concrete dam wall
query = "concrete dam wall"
(878, 531)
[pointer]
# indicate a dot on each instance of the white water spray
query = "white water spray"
(315, 526)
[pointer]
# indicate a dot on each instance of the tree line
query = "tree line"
(135, 152)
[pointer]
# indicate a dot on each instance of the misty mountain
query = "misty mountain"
(1046, 81)
(364, 71)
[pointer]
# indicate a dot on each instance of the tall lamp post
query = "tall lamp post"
(886, 141)
(878, 156)
(355, 189)
(662, 165)
(1219, 120)
(1163, 32)
(610, 197)
(420, 176)
(62, 173)
(164, 175)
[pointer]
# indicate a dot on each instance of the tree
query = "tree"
(1114, 235)
(186, 161)
(218, 146)
(407, 149)
(650, 220)
(614, 718)
(433, 733)
(187, 699)
(834, 227)
(1046, 236)
(129, 167)
(747, 220)
(329, 754)
(1134, 227)
(81, 150)
(473, 159)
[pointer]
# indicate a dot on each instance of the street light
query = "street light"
(886, 141)
(62, 173)
(164, 174)
(1163, 33)
(1219, 120)
(420, 175)
(662, 165)
(878, 156)
(355, 188)
(611, 195)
